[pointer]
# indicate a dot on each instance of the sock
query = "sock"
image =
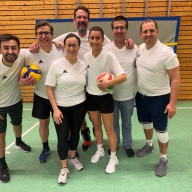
(18, 140)
(100, 146)
(150, 142)
(86, 134)
(113, 154)
(164, 156)
(2, 161)
(46, 145)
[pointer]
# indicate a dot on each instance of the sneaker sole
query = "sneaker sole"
(19, 148)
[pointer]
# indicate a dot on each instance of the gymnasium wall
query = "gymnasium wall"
(19, 17)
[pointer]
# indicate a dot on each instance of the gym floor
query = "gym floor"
(132, 174)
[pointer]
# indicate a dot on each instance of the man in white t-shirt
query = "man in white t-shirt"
(48, 53)
(124, 93)
(11, 63)
(158, 88)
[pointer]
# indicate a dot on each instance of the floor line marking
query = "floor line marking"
(25, 133)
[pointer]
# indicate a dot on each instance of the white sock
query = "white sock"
(150, 142)
(164, 156)
(100, 146)
(113, 154)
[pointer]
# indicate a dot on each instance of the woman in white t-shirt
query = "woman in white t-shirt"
(99, 103)
(66, 82)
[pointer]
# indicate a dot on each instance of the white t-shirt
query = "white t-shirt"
(43, 60)
(68, 81)
(126, 57)
(152, 66)
(84, 47)
(104, 62)
(10, 92)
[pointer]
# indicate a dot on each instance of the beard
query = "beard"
(10, 58)
(82, 28)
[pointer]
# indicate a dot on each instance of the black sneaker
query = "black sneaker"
(4, 174)
(130, 153)
(44, 155)
(23, 146)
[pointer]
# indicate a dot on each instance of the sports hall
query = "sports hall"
(132, 174)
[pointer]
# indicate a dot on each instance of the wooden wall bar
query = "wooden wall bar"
(18, 17)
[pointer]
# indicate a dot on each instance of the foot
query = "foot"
(76, 164)
(98, 154)
(86, 145)
(161, 168)
(62, 179)
(44, 155)
(111, 166)
(23, 146)
(4, 174)
(130, 153)
(145, 150)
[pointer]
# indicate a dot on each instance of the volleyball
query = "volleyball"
(31, 70)
(108, 76)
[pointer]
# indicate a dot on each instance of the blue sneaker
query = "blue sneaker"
(44, 154)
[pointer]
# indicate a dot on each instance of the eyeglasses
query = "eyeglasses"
(119, 27)
(72, 45)
(46, 33)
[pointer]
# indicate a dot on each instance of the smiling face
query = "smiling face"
(71, 47)
(44, 36)
(81, 21)
(10, 51)
(149, 33)
(119, 31)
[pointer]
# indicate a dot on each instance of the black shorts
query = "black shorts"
(151, 110)
(102, 103)
(41, 107)
(15, 112)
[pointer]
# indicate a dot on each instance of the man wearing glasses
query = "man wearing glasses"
(48, 53)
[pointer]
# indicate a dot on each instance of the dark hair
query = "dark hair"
(70, 35)
(120, 18)
(84, 9)
(8, 37)
(41, 24)
(97, 28)
(149, 21)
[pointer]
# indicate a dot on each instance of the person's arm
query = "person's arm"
(57, 115)
(175, 86)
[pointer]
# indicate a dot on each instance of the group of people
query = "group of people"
(70, 65)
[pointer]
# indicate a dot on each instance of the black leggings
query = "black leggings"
(68, 130)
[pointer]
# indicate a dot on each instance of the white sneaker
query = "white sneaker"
(62, 179)
(76, 163)
(98, 154)
(111, 166)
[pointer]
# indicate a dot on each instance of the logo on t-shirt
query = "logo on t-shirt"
(41, 61)
(4, 77)
(65, 71)
(88, 66)
(138, 55)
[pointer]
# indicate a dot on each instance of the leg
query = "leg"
(44, 135)
(116, 121)
(126, 108)
(95, 118)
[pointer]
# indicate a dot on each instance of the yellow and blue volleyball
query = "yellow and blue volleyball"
(31, 70)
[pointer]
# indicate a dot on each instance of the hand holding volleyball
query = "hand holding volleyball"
(31, 70)
(102, 77)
